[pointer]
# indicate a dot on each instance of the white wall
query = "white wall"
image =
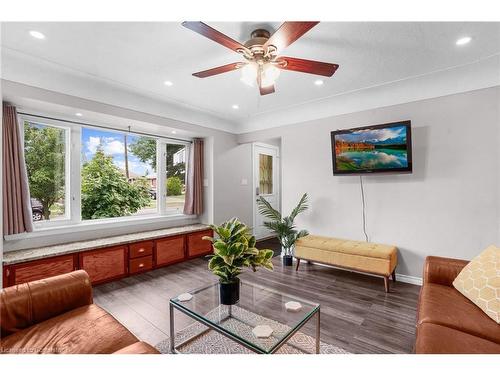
(449, 206)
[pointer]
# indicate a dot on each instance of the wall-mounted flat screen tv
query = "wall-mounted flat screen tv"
(384, 148)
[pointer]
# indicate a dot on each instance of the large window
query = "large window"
(118, 178)
(46, 155)
(80, 173)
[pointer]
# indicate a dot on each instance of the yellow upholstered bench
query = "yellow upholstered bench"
(354, 255)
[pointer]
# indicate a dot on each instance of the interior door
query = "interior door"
(265, 184)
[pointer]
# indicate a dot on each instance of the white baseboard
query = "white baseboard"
(409, 279)
(399, 277)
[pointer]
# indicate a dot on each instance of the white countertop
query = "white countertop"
(19, 256)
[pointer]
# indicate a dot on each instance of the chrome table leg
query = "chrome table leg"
(172, 329)
(318, 329)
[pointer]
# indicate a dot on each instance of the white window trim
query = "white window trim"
(100, 224)
(68, 167)
(73, 220)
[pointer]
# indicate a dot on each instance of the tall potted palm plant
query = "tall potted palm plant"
(284, 227)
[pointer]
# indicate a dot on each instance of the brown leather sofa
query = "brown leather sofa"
(56, 315)
(448, 322)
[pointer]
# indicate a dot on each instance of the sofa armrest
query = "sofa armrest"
(442, 271)
(24, 305)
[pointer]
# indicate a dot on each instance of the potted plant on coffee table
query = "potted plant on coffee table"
(234, 249)
(284, 226)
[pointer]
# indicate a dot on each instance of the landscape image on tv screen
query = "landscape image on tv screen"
(372, 149)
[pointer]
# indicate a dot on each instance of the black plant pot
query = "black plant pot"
(287, 260)
(230, 292)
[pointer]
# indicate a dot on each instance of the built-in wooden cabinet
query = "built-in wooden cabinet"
(105, 264)
(197, 246)
(115, 262)
(170, 250)
(39, 269)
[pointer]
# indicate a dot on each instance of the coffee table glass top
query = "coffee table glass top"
(258, 306)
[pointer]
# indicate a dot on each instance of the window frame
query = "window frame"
(69, 207)
(163, 158)
(73, 178)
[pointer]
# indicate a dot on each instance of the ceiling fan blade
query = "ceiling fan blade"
(308, 66)
(288, 33)
(216, 36)
(219, 70)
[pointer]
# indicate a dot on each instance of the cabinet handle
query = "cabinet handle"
(141, 250)
(141, 265)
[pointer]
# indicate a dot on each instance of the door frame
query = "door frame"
(254, 182)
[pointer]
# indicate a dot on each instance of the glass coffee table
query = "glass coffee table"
(276, 319)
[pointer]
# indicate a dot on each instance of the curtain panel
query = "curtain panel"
(16, 197)
(194, 185)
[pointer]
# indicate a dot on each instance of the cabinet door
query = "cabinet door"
(105, 264)
(198, 246)
(40, 269)
(169, 250)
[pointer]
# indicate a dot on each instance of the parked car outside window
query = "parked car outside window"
(36, 209)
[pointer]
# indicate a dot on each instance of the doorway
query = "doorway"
(266, 184)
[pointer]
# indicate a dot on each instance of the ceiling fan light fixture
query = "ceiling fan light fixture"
(269, 75)
(270, 72)
(249, 73)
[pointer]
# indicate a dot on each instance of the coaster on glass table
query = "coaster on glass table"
(293, 306)
(184, 297)
(262, 332)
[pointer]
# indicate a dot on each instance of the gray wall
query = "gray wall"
(449, 206)
(233, 163)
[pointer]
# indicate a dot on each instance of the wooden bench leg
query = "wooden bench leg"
(386, 283)
(394, 275)
(298, 264)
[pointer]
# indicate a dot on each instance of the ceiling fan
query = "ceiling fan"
(262, 63)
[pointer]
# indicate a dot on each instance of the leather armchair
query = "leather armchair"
(57, 315)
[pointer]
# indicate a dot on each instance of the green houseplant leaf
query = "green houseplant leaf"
(284, 227)
(235, 249)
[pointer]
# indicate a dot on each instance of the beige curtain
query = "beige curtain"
(194, 183)
(16, 196)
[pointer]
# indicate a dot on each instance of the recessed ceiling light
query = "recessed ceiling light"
(174, 132)
(235, 106)
(37, 34)
(78, 114)
(318, 82)
(168, 83)
(464, 40)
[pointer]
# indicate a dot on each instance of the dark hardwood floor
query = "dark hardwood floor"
(356, 314)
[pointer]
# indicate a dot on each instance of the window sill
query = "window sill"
(98, 224)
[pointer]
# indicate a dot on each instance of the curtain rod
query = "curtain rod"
(105, 127)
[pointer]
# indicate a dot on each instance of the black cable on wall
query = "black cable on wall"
(363, 206)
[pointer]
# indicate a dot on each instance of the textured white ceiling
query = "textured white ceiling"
(141, 56)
